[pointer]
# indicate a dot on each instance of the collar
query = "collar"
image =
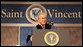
(42, 25)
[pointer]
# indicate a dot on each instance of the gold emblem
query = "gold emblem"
(33, 11)
(51, 38)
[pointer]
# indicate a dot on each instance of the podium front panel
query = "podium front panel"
(38, 37)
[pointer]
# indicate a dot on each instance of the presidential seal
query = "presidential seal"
(51, 38)
(33, 12)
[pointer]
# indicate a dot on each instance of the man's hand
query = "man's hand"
(31, 38)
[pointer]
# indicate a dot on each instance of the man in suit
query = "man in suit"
(43, 24)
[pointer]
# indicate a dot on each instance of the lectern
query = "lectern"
(45, 37)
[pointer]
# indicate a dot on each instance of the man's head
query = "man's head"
(42, 18)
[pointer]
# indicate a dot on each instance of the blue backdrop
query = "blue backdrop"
(58, 7)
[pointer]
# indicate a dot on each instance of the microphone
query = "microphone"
(50, 23)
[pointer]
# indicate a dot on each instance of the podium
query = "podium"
(38, 37)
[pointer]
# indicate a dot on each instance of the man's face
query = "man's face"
(42, 19)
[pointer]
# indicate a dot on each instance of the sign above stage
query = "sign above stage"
(27, 13)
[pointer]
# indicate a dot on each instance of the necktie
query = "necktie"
(43, 26)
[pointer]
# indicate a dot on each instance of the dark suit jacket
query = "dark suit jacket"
(47, 26)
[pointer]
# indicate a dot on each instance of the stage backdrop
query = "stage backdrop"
(20, 19)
